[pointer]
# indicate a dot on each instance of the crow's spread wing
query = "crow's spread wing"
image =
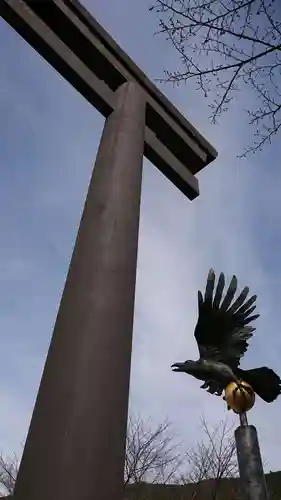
(222, 329)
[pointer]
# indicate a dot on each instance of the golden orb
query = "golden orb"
(239, 397)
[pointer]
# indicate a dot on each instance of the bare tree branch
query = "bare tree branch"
(8, 472)
(151, 453)
(225, 45)
(213, 458)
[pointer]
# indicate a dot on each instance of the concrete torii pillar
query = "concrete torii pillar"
(75, 445)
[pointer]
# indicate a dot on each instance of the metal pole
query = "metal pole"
(243, 419)
(252, 480)
(76, 441)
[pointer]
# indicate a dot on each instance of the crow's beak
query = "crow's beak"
(177, 367)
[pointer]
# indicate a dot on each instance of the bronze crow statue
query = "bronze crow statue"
(222, 333)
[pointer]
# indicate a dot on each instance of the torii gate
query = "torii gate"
(76, 440)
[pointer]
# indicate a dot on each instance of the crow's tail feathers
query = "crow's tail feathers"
(264, 381)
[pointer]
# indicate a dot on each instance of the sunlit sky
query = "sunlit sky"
(48, 141)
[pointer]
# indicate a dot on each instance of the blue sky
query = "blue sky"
(48, 141)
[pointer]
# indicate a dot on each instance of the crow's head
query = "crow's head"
(186, 367)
